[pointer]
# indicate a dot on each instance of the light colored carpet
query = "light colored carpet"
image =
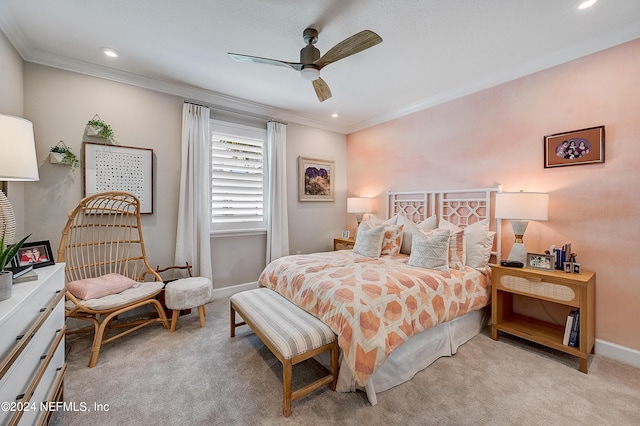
(202, 377)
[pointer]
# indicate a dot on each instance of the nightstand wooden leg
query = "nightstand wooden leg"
(583, 365)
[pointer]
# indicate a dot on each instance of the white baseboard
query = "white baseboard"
(617, 352)
(225, 292)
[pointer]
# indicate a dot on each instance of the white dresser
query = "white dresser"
(32, 349)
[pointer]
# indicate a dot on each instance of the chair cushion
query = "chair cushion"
(188, 293)
(104, 285)
(139, 291)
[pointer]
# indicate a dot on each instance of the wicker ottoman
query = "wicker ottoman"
(187, 293)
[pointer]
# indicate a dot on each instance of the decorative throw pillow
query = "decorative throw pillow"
(457, 249)
(95, 288)
(430, 249)
(476, 235)
(369, 240)
(392, 240)
(428, 223)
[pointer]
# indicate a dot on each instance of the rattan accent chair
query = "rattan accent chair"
(103, 235)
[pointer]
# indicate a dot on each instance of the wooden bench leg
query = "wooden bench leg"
(201, 314)
(335, 352)
(232, 321)
(286, 386)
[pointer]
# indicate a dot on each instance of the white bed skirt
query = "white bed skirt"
(414, 355)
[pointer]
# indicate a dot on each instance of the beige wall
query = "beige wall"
(496, 136)
(59, 103)
(12, 103)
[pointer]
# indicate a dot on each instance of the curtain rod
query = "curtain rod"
(233, 111)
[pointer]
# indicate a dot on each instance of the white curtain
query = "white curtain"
(194, 208)
(277, 220)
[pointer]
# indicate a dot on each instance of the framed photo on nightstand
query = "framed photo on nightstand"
(540, 261)
(345, 233)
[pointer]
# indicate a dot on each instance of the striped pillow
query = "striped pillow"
(457, 245)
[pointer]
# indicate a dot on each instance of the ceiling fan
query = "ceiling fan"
(311, 62)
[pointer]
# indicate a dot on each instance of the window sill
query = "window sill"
(237, 233)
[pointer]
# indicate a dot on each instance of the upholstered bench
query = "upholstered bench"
(292, 334)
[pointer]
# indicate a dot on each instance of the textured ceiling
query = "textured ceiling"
(433, 50)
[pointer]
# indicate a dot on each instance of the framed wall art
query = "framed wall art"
(119, 168)
(583, 146)
(315, 179)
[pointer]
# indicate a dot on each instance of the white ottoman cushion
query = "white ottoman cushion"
(187, 293)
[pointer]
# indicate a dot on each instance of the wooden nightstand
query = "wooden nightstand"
(566, 289)
(343, 243)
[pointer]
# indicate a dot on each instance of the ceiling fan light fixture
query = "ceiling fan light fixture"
(309, 73)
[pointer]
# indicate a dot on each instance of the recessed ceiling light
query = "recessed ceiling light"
(109, 52)
(335, 115)
(586, 4)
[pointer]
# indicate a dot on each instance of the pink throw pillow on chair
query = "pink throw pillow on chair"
(94, 288)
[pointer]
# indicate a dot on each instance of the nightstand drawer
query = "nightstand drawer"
(535, 286)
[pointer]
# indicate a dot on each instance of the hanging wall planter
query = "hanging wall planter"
(61, 154)
(96, 127)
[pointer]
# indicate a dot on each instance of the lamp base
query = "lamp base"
(7, 220)
(518, 253)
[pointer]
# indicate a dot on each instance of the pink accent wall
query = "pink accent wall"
(496, 136)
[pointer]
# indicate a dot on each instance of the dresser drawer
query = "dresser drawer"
(23, 371)
(18, 324)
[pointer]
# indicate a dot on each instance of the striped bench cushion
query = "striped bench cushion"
(290, 329)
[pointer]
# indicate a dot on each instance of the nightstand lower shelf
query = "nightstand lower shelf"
(537, 331)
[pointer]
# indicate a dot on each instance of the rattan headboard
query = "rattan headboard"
(461, 207)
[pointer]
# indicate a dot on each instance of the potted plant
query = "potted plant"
(61, 154)
(7, 252)
(97, 127)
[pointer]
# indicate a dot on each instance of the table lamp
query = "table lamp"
(520, 208)
(18, 162)
(359, 206)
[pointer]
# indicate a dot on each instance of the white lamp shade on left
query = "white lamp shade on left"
(18, 160)
(359, 205)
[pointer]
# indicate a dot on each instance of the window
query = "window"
(237, 177)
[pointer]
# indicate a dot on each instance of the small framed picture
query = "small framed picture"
(540, 261)
(568, 267)
(576, 268)
(37, 254)
(345, 234)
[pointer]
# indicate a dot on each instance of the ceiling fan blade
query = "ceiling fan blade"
(257, 60)
(350, 46)
(322, 89)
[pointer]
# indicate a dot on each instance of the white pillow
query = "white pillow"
(430, 249)
(377, 221)
(477, 234)
(428, 223)
(369, 240)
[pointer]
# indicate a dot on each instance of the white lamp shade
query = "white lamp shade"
(522, 205)
(359, 205)
(18, 160)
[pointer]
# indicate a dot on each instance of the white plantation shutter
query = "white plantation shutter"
(237, 177)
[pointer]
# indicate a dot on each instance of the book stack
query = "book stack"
(562, 255)
(572, 329)
(22, 273)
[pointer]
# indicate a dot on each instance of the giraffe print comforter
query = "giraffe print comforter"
(374, 305)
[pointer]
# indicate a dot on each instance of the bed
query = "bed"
(393, 314)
